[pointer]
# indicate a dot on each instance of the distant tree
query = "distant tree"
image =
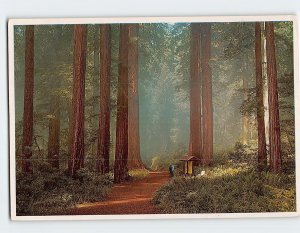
(195, 93)
(261, 136)
(54, 131)
(95, 90)
(207, 106)
(121, 153)
(245, 118)
(104, 118)
(275, 143)
(134, 157)
(28, 100)
(77, 121)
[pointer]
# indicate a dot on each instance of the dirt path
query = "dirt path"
(127, 198)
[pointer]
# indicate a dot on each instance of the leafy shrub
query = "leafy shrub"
(221, 191)
(49, 191)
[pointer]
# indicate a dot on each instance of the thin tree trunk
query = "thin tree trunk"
(54, 132)
(28, 100)
(261, 137)
(134, 157)
(275, 143)
(121, 156)
(245, 120)
(207, 106)
(104, 118)
(195, 93)
(77, 125)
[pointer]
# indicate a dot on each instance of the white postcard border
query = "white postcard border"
(115, 20)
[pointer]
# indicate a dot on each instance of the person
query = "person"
(171, 170)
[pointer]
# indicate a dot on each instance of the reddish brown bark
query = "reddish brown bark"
(261, 136)
(275, 143)
(54, 132)
(134, 157)
(77, 125)
(195, 93)
(121, 153)
(207, 106)
(104, 118)
(28, 100)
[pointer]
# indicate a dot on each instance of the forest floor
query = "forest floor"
(132, 197)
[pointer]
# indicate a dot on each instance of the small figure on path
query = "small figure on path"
(171, 170)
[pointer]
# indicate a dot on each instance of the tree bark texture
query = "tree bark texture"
(28, 100)
(261, 136)
(134, 157)
(275, 142)
(195, 93)
(121, 154)
(104, 118)
(265, 78)
(77, 126)
(207, 106)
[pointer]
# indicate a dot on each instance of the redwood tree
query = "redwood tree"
(134, 157)
(261, 136)
(121, 153)
(195, 93)
(28, 100)
(275, 143)
(54, 132)
(77, 124)
(104, 118)
(207, 106)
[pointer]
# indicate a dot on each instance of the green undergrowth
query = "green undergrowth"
(49, 192)
(229, 186)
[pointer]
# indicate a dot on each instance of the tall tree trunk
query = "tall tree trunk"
(28, 100)
(77, 125)
(207, 106)
(54, 132)
(134, 157)
(245, 120)
(121, 156)
(275, 143)
(195, 93)
(261, 137)
(265, 78)
(104, 118)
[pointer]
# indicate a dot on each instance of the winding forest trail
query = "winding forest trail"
(127, 198)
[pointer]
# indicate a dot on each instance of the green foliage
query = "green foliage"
(228, 191)
(231, 185)
(50, 192)
(243, 153)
